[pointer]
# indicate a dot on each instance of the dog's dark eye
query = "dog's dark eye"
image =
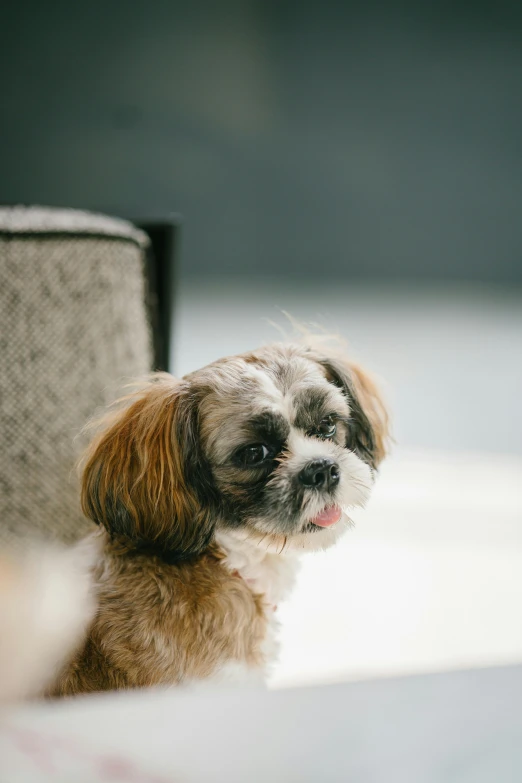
(327, 428)
(254, 455)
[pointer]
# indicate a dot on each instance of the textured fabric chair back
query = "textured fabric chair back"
(74, 329)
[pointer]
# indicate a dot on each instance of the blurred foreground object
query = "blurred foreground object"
(45, 606)
(465, 727)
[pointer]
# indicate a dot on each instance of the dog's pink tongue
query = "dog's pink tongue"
(328, 517)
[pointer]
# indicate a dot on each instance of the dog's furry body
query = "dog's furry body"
(160, 623)
(206, 489)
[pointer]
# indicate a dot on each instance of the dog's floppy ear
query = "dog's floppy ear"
(144, 477)
(369, 423)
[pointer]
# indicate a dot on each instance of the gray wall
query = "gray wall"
(297, 138)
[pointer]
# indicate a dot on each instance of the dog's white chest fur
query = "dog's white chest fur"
(267, 573)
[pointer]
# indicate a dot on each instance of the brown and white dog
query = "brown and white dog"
(206, 490)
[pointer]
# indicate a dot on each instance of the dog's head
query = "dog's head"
(275, 444)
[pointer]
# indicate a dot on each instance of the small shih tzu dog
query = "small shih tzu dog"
(206, 489)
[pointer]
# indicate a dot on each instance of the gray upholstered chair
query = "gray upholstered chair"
(74, 326)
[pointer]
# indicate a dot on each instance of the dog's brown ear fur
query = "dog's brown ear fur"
(369, 419)
(143, 476)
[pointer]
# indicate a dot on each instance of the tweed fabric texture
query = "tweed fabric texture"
(73, 330)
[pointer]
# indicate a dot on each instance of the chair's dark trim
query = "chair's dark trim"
(162, 269)
(61, 234)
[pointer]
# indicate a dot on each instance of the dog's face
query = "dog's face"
(279, 430)
(277, 445)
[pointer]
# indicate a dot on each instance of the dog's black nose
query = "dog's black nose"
(321, 474)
